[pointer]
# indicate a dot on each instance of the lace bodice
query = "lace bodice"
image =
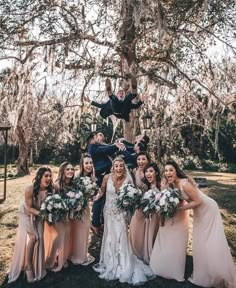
(111, 196)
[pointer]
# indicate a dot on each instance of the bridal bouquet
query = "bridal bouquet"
(87, 186)
(168, 202)
(53, 209)
(76, 203)
(150, 202)
(128, 199)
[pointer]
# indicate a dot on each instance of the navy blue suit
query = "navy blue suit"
(106, 109)
(120, 108)
(130, 159)
(102, 163)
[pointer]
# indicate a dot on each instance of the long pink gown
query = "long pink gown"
(56, 240)
(143, 231)
(33, 225)
(79, 240)
(169, 252)
(57, 235)
(212, 261)
(137, 225)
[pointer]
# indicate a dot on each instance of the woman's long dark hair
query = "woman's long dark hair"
(37, 181)
(158, 176)
(180, 173)
(60, 177)
(144, 153)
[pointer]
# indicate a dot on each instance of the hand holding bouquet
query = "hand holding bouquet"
(169, 201)
(150, 202)
(87, 186)
(53, 209)
(128, 199)
(76, 203)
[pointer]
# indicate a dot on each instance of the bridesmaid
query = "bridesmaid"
(212, 262)
(169, 252)
(152, 179)
(57, 237)
(80, 227)
(138, 223)
(29, 246)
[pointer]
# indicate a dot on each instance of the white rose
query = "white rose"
(146, 196)
(77, 195)
(168, 193)
(49, 207)
(176, 200)
(162, 202)
(130, 194)
(158, 208)
(43, 206)
(171, 199)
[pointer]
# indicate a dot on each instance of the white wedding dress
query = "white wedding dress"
(116, 258)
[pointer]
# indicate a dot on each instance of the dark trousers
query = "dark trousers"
(97, 218)
(97, 210)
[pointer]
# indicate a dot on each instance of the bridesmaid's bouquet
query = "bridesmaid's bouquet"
(76, 203)
(150, 202)
(168, 202)
(87, 186)
(53, 209)
(128, 199)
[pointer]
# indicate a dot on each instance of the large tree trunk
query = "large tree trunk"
(128, 58)
(22, 161)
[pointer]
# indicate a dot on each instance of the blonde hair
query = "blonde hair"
(118, 159)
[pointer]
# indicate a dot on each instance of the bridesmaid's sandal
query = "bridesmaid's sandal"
(90, 259)
(29, 274)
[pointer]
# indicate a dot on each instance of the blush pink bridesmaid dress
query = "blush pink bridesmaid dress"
(33, 225)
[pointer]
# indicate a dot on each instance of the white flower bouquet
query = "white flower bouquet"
(168, 202)
(150, 202)
(87, 186)
(53, 209)
(128, 199)
(76, 203)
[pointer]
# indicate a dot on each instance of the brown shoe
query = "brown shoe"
(108, 86)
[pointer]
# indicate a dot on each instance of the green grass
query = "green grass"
(222, 187)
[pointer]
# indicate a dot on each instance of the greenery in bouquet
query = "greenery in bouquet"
(53, 209)
(87, 186)
(150, 202)
(128, 199)
(76, 203)
(168, 202)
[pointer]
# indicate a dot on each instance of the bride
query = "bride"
(116, 258)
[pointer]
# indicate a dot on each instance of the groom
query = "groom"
(101, 154)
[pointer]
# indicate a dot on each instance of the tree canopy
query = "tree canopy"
(61, 51)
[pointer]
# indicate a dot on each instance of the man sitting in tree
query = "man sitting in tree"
(119, 105)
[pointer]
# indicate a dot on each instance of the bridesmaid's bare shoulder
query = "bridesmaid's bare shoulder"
(29, 189)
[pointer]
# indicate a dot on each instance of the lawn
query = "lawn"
(222, 187)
